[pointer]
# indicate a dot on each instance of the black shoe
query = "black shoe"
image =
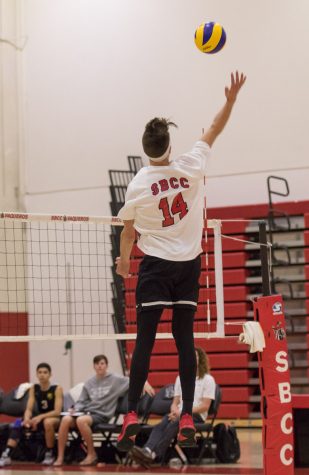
(141, 456)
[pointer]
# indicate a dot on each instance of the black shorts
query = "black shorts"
(97, 419)
(163, 283)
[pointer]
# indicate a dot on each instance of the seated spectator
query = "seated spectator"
(46, 400)
(97, 402)
(163, 434)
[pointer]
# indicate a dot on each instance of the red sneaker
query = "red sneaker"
(186, 434)
(130, 428)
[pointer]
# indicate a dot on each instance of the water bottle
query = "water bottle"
(17, 423)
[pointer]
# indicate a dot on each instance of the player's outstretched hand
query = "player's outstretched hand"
(122, 268)
(237, 81)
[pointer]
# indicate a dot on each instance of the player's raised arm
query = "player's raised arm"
(237, 81)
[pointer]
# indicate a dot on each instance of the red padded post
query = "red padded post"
(276, 400)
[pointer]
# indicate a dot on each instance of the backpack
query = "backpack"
(228, 447)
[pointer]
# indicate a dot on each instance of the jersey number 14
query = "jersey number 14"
(178, 206)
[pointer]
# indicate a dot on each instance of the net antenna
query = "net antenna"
(215, 225)
(56, 280)
(265, 259)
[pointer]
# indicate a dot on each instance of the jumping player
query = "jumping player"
(164, 204)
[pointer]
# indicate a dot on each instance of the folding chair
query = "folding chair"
(160, 406)
(110, 429)
(202, 427)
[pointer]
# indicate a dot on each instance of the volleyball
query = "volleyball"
(210, 37)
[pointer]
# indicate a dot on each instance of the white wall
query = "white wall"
(9, 123)
(94, 71)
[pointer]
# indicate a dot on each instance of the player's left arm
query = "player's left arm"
(220, 120)
(127, 239)
(29, 408)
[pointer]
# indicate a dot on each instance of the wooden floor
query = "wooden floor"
(250, 463)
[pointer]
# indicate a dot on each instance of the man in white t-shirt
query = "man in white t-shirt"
(164, 204)
(164, 433)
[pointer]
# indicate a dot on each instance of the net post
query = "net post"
(219, 278)
(266, 289)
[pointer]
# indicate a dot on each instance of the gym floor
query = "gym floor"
(250, 463)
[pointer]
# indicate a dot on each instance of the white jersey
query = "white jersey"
(166, 204)
(205, 387)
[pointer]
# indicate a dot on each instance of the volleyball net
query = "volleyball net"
(58, 280)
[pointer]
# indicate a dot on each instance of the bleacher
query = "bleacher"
(234, 368)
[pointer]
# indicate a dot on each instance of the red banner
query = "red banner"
(276, 401)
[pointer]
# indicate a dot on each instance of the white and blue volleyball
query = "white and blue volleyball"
(210, 37)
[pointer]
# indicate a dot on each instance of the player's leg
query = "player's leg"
(152, 291)
(67, 423)
(50, 424)
(147, 322)
(182, 328)
(12, 442)
(84, 424)
(185, 294)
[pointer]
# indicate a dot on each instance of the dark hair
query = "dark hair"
(44, 365)
(156, 137)
(98, 358)
(203, 362)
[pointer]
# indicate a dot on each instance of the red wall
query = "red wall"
(14, 357)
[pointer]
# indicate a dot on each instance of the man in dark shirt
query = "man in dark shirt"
(47, 400)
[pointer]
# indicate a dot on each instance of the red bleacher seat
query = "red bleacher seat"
(227, 244)
(217, 361)
(232, 411)
(231, 294)
(306, 255)
(232, 310)
(234, 227)
(220, 345)
(199, 327)
(230, 277)
(229, 260)
(225, 346)
(230, 377)
(234, 360)
(237, 394)
(136, 252)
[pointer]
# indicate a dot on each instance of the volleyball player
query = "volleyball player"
(164, 204)
(164, 433)
(47, 399)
